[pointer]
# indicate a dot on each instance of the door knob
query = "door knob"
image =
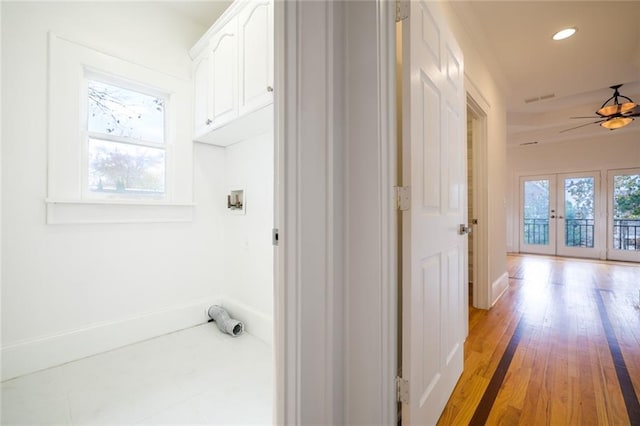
(464, 229)
(553, 216)
(208, 121)
(560, 217)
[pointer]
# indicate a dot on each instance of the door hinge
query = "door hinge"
(402, 390)
(402, 10)
(275, 236)
(403, 197)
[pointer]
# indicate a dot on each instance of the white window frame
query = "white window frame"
(95, 75)
(68, 199)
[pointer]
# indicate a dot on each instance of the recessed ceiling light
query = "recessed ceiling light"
(565, 33)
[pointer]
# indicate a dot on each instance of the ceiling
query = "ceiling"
(514, 37)
(202, 12)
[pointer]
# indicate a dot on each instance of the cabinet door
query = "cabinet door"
(223, 77)
(256, 55)
(202, 96)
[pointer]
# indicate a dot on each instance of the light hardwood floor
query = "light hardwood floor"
(571, 318)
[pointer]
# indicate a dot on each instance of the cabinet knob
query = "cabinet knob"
(208, 121)
(269, 89)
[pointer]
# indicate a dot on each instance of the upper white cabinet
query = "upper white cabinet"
(233, 75)
(256, 61)
(224, 74)
(202, 96)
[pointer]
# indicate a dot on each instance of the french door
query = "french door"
(623, 218)
(559, 214)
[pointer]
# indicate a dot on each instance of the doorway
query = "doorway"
(477, 216)
(560, 214)
(471, 251)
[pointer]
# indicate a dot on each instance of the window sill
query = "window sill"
(61, 212)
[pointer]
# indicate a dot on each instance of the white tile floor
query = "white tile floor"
(195, 376)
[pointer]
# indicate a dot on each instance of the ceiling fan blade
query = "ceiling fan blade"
(635, 112)
(582, 125)
(591, 116)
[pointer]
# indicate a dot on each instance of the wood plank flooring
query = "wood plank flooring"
(574, 358)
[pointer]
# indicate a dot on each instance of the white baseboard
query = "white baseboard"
(499, 287)
(49, 351)
(256, 323)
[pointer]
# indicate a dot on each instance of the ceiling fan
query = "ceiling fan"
(614, 115)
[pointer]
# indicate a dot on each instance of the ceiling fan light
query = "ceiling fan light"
(616, 123)
(564, 33)
(627, 107)
(614, 109)
(609, 110)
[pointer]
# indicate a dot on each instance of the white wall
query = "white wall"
(312, 303)
(485, 84)
(370, 219)
(1, 175)
(610, 150)
(248, 250)
(64, 285)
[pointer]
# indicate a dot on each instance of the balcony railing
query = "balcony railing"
(626, 234)
(536, 231)
(578, 232)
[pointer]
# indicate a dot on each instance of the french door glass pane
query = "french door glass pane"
(536, 212)
(579, 210)
(626, 212)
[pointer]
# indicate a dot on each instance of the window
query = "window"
(119, 139)
(126, 141)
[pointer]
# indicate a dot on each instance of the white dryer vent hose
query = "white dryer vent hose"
(225, 323)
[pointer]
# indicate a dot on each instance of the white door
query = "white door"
(578, 215)
(537, 214)
(623, 215)
(434, 252)
(560, 214)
